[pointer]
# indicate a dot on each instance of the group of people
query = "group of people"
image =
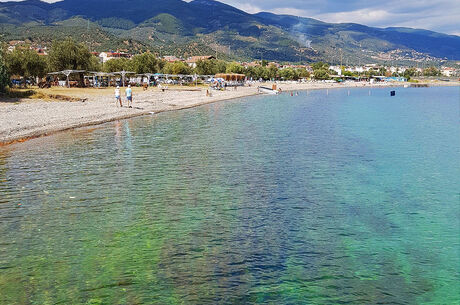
(129, 96)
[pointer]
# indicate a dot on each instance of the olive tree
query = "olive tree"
(25, 63)
(146, 63)
(4, 77)
(69, 55)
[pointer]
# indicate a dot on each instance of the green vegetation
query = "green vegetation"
(146, 63)
(210, 67)
(410, 73)
(178, 67)
(69, 55)
(234, 67)
(26, 63)
(117, 64)
(4, 77)
(321, 70)
(293, 74)
(431, 71)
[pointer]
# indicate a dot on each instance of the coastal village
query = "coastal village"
(81, 84)
(375, 72)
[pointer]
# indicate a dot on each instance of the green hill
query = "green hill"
(209, 26)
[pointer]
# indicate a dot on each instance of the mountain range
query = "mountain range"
(199, 27)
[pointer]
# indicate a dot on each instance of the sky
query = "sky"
(436, 15)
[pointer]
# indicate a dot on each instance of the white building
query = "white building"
(106, 56)
(449, 72)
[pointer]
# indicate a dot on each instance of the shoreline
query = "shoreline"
(29, 119)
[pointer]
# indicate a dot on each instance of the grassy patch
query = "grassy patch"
(36, 94)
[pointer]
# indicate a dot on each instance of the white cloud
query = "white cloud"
(363, 16)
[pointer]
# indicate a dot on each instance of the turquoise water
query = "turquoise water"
(322, 198)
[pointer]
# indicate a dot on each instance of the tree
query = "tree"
(94, 64)
(145, 63)
(431, 71)
(254, 72)
(26, 63)
(177, 67)
(69, 55)
(117, 64)
(4, 77)
(272, 72)
(180, 67)
(408, 73)
(320, 66)
(289, 73)
(235, 67)
(321, 74)
(210, 67)
(303, 73)
(205, 67)
(221, 66)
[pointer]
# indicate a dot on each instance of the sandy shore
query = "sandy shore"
(24, 119)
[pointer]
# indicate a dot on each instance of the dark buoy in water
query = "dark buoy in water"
(392, 93)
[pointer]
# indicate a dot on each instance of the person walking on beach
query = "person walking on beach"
(117, 96)
(129, 96)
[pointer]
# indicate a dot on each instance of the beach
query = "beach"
(29, 118)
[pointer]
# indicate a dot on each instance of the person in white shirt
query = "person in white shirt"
(117, 96)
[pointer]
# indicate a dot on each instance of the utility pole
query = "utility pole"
(87, 33)
(341, 58)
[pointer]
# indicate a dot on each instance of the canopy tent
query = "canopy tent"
(182, 77)
(148, 75)
(231, 77)
(97, 75)
(67, 74)
(123, 74)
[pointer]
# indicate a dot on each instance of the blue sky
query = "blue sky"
(437, 15)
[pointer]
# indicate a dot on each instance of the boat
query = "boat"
(268, 90)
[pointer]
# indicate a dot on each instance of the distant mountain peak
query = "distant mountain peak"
(215, 26)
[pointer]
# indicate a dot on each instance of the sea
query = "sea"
(344, 196)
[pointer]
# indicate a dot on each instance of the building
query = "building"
(449, 72)
(106, 56)
(251, 64)
(172, 58)
(194, 59)
(337, 69)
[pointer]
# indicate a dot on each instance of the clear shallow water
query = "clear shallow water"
(311, 199)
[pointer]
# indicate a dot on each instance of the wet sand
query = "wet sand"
(28, 118)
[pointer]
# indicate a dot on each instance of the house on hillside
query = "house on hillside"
(449, 72)
(194, 59)
(40, 51)
(172, 58)
(251, 64)
(106, 56)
